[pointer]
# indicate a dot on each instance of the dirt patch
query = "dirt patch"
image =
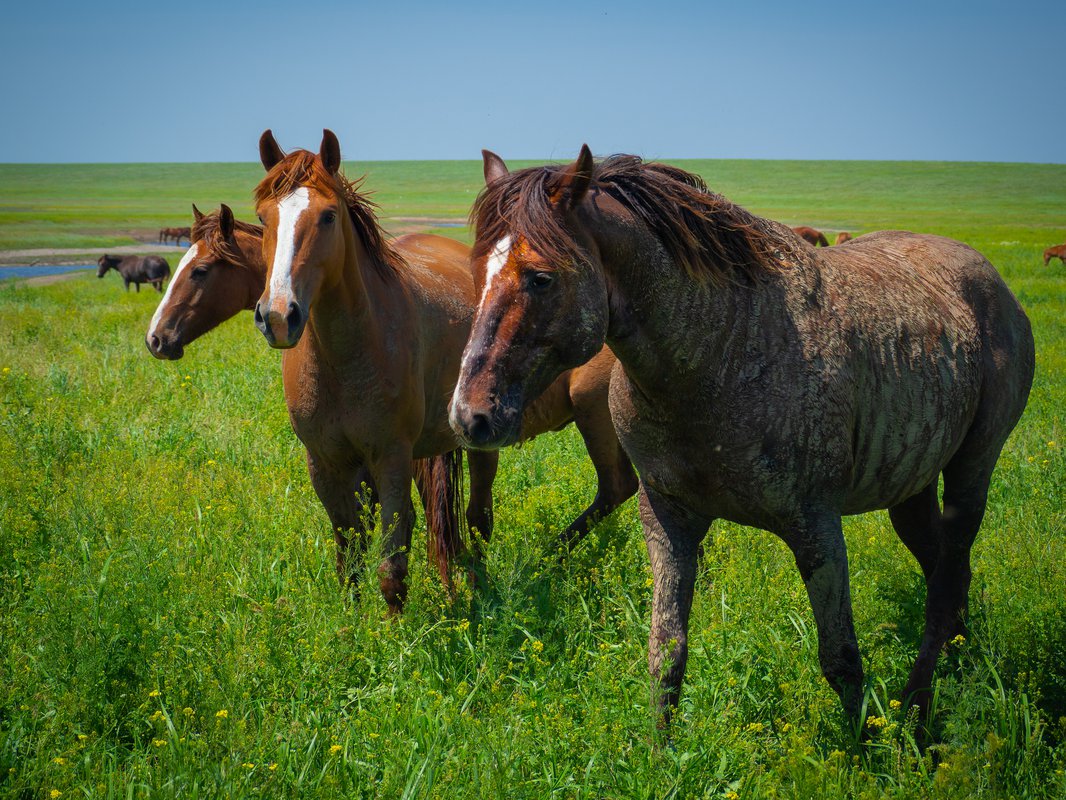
(45, 280)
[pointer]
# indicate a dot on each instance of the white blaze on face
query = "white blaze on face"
(289, 210)
(493, 266)
(188, 258)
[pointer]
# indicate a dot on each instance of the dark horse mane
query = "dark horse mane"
(711, 237)
(303, 168)
(207, 230)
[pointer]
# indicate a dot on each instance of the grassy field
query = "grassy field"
(170, 624)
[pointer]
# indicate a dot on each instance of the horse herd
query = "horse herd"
(740, 372)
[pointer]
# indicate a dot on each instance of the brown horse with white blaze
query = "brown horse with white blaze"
(374, 333)
(761, 381)
(221, 273)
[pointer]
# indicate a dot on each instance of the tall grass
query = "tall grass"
(170, 624)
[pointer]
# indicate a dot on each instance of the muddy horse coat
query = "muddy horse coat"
(762, 380)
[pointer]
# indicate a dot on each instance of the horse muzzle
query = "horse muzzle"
(281, 329)
(164, 348)
(485, 428)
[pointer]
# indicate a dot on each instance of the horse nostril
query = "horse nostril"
(294, 317)
(154, 344)
(480, 429)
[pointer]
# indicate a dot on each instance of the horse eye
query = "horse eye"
(260, 218)
(328, 217)
(199, 272)
(541, 280)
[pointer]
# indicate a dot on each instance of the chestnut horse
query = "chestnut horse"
(761, 381)
(374, 334)
(1058, 251)
(812, 235)
(842, 237)
(224, 272)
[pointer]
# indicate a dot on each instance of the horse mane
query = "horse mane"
(207, 230)
(303, 168)
(709, 236)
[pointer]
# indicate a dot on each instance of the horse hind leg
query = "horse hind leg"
(917, 522)
(965, 496)
(616, 481)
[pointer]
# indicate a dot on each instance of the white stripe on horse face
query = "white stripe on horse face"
(188, 258)
(289, 210)
(494, 265)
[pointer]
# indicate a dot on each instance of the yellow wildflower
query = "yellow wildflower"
(221, 714)
(188, 712)
(959, 640)
(894, 705)
(154, 693)
(334, 749)
(538, 646)
(159, 742)
(248, 765)
(731, 796)
(876, 722)
(273, 765)
(59, 760)
(754, 727)
(55, 793)
(82, 737)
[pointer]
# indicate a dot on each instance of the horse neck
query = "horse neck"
(251, 249)
(354, 315)
(663, 322)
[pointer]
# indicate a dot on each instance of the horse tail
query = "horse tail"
(440, 480)
(822, 240)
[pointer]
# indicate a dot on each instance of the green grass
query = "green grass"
(170, 624)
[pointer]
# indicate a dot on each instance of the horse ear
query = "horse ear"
(495, 169)
(269, 151)
(574, 180)
(196, 214)
(225, 221)
(329, 152)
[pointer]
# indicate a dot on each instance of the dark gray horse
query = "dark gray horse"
(761, 380)
(136, 269)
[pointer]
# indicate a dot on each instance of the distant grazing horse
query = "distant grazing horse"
(373, 334)
(224, 272)
(761, 381)
(842, 237)
(1058, 251)
(177, 234)
(136, 269)
(812, 235)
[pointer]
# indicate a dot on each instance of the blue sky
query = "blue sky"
(196, 81)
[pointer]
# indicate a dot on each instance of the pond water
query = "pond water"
(40, 269)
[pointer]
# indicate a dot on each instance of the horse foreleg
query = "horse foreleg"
(673, 536)
(393, 478)
(483, 465)
(817, 542)
(341, 494)
(616, 480)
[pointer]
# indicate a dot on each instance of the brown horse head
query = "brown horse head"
(299, 203)
(216, 278)
(523, 281)
(543, 234)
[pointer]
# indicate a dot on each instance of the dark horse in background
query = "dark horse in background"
(136, 269)
(760, 380)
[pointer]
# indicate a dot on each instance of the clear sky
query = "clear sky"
(199, 81)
